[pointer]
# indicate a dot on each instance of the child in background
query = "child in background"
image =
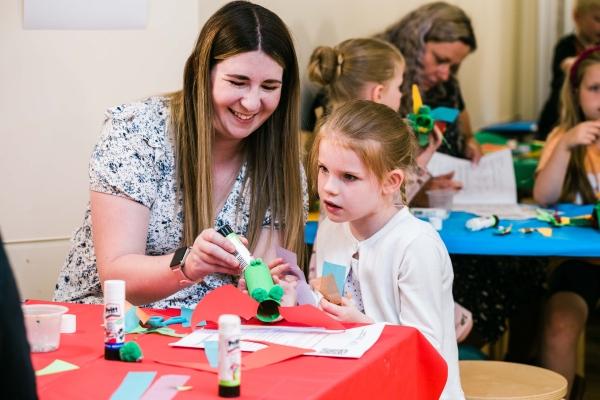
(370, 69)
(399, 270)
(569, 171)
(586, 14)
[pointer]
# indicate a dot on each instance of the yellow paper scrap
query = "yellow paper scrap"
(183, 388)
(55, 367)
(546, 232)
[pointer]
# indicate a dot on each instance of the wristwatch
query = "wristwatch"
(177, 264)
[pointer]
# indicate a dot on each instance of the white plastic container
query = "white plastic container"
(42, 322)
(230, 356)
(114, 318)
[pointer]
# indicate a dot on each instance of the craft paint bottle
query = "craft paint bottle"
(114, 318)
(479, 223)
(242, 254)
(230, 356)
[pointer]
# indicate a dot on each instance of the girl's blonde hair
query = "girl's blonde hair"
(433, 22)
(271, 152)
(376, 133)
(344, 69)
(576, 180)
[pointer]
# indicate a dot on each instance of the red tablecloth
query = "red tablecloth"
(401, 365)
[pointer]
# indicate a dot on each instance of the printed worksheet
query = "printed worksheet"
(351, 343)
(492, 181)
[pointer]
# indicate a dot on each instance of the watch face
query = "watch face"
(178, 257)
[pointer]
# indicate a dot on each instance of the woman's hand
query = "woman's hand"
(288, 284)
(211, 253)
(582, 134)
(443, 182)
(347, 312)
(473, 150)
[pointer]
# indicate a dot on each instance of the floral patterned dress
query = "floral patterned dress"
(135, 159)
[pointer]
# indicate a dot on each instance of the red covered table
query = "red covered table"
(401, 365)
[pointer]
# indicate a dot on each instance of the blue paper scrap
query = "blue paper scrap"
(339, 273)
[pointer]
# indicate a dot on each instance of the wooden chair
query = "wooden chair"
(484, 380)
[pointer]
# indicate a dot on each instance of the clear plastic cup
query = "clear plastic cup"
(42, 322)
(441, 198)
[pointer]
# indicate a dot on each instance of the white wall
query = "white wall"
(55, 86)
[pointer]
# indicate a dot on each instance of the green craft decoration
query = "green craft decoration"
(422, 123)
(262, 289)
(131, 352)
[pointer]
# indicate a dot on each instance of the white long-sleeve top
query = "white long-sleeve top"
(405, 277)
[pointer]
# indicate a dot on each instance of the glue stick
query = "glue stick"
(242, 254)
(114, 318)
(230, 356)
(479, 223)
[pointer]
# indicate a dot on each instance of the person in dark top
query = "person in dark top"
(586, 14)
(434, 39)
(15, 365)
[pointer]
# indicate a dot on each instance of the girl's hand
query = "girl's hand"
(582, 134)
(435, 138)
(211, 253)
(347, 312)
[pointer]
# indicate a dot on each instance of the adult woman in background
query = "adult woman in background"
(434, 39)
(167, 170)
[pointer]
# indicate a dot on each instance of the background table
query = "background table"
(402, 364)
(566, 241)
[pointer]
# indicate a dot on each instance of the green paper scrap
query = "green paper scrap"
(161, 331)
(133, 385)
(211, 349)
(55, 367)
(132, 321)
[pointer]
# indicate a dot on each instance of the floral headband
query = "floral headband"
(585, 54)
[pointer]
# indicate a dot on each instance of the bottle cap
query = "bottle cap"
(229, 323)
(68, 323)
(225, 230)
(114, 291)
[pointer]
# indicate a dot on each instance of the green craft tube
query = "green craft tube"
(262, 289)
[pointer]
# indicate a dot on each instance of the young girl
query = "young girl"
(569, 171)
(399, 270)
(368, 69)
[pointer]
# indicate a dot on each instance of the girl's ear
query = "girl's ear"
(392, 181)
(376, 93)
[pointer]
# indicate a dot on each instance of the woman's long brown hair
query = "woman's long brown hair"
(271, 152)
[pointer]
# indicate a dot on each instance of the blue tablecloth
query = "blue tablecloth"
(565, 241)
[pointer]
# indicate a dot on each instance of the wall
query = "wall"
(56, 85)
(55, 88)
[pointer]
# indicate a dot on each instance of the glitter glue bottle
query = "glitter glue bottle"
(114, 318)
(479, 223)
(230, 356)
(241, 252)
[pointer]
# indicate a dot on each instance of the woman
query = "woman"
(168, 170)
(434, 39)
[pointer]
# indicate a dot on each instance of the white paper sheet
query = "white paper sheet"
(351, 343)
(492, 181)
